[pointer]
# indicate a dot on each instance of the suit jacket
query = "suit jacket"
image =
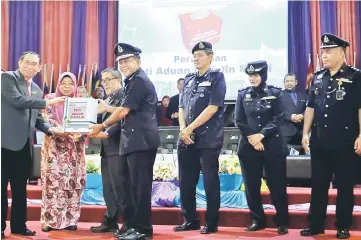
(110, 146)
(20, 113)
(172, 108)
(288, 127)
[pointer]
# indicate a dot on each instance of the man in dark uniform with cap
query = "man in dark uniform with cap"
(201, 138)
(259, 113)
(110, 159)
(138, 143)
(333, 114)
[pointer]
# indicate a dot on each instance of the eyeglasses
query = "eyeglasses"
(107, 80)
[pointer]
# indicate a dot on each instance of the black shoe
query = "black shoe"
(188, 226)
(46, 229)
(132, 234)
(121, 232)
(26, 232)
(209, 229)
(255, 227)
(2, 235)
(72, 228)
(310, 232)
(105, 226)
(343, 234)
(282, 230)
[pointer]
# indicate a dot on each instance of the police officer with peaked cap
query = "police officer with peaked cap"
(201, 138)
(258, 115)
(138, 143)
(333, 115)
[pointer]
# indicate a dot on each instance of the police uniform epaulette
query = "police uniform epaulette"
(322, 69)
(215, 70)
(271, 86)
(243, 89)
(191, 74)
(354, 68)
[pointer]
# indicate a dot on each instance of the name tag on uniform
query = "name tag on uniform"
(268, 98)
(34, 92)
(345, 80)
(205, 84)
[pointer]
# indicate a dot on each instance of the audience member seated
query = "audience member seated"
(98, 93)
(172, 112)
(82, 92)
(294, 104)
(161, 113)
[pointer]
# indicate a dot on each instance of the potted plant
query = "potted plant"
(165, 184)
(93, 177)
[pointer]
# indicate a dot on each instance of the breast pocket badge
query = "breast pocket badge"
(247, 98)
(205, 84)
(340, 93)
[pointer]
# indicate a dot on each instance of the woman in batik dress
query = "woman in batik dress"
(62, 166)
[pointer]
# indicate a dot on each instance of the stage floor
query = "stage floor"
(165, 232)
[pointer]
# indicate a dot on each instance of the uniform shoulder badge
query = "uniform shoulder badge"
(271, 86)
(354, 68)
(319, 71)
(243, 90)
(215, 70)
(191, 74)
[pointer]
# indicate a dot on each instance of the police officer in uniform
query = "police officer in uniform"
(334, 117)
(259, 112)
(201, 138)
(110, 159)
(138, 142)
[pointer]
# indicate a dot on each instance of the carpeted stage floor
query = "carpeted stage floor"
(232, 220)
(164, 232)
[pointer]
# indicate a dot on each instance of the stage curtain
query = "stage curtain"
(5, 35)
(91, 36)
(25, 30)
(56, 36)
(299, 40)
(346, 19)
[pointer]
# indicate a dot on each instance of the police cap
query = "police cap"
(124, 50)
(203, 45)
(256, 67)
(329, 40)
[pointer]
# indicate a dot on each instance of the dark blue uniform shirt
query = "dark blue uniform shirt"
(260, 113)
(139, 128)
(199, 92)
(335, 122)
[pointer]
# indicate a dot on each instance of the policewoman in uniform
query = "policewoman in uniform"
(138, 142)
(201, 138)
(333, 116)
(258, 115)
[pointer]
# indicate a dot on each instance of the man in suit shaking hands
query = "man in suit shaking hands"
(21, 102)
(294, 104)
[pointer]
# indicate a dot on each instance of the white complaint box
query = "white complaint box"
(79, 114)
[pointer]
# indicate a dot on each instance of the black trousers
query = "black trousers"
(323, 164)
(293, 140)
(190, 162)
(15, 167)
(275, 168)
(111, 168)
(135, 193)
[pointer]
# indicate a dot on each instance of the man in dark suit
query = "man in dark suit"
(110, 161)
(172, 111)
(294, 104)
(21, 101)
